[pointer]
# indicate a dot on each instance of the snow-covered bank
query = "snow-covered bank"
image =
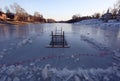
(90, 22)
(98, 22)
(48, 73)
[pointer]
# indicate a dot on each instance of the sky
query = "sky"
(61, 9)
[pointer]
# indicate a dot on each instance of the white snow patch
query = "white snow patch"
(90, 22)
(4, 50)
(1, 56)
(24, 42)
(77, 78)
(100, 23)
(45, 72)
(11, 70)
(117, 54)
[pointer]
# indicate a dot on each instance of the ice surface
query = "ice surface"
(77, 78)
(24, 42)
(9, 79)
(3, 78)
(33, 72)
(116, 53)
(94, 43)
(4, 50)
(16, 79)
(1, 56)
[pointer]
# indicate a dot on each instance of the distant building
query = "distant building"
(118, 16)
(3, 16)
(107, 16)
(30, 18)
(50, 21)
(10, 16)
(16, 17)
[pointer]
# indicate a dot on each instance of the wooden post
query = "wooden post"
(52, 39)
(63, 40)
(55, 36)
(61, 30)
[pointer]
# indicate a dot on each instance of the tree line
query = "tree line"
(111, 13)
(16, 13)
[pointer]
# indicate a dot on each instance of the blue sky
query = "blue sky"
(61, 9)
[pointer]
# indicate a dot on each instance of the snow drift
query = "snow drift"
(98, 22)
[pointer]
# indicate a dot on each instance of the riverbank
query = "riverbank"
(2, 23)
(13, 23)
(99, 23)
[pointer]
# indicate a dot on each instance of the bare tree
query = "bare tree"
(36, 14)
(38, 17)
(77, 16)
(51, 21)
(20, 13)
(0, 9)
(117, 5)
(7, 9)
(96, 15)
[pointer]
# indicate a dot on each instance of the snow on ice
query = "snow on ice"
(100, 23)
(94, 43)
(14, 46)
(45, 72)
(48, 73)
(35, 72)
(24, 42)
(90, 22)
(16, 79)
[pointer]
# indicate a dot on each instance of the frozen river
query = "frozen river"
(90, 47)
